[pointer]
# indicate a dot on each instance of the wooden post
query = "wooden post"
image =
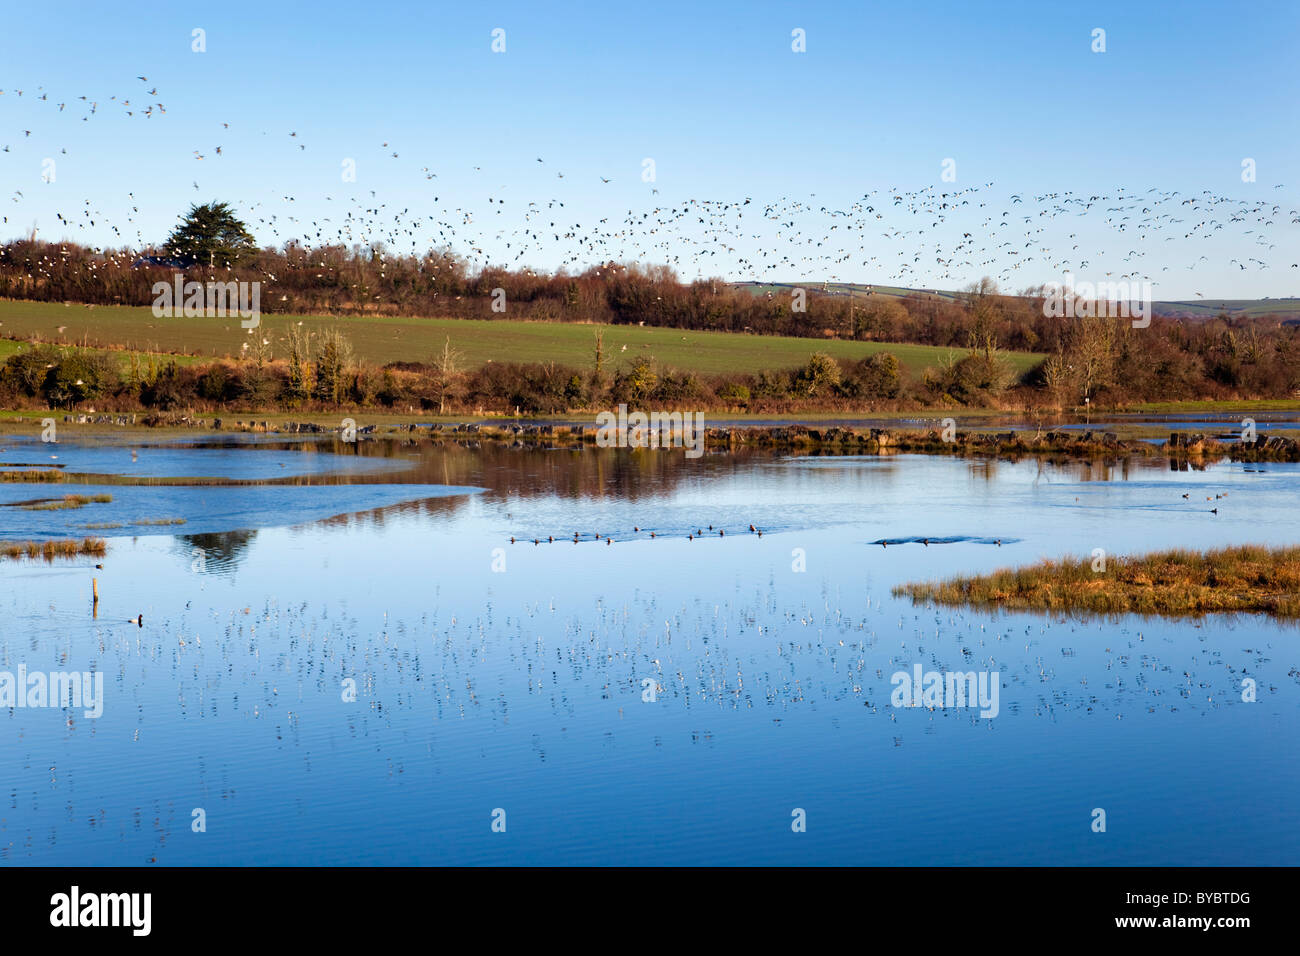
(94, 587)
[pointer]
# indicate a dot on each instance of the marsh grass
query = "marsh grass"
(33, 475)
(1175, 583)
(68, 502)
(49, 550)
(150, 522)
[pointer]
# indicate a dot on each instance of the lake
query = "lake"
(342, 659)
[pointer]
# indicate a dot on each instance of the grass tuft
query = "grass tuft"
(1176, 583)
(49, 550)
(68, 502)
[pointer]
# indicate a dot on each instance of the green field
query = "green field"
(388, 339)
(10, 347)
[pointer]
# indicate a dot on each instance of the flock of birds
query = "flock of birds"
(936, 234)
(637, 532)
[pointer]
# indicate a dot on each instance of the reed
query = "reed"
(50, 550)
(1176, 583)
(68, 502)
(33, 475)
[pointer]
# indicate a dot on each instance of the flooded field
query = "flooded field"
(337, 654)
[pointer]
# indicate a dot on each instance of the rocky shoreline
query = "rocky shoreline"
(833, 440)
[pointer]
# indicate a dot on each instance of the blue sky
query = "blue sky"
(712, 92)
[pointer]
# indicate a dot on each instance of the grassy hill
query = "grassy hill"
(1288, 308)
(386, 339)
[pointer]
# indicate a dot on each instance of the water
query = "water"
(521, 688)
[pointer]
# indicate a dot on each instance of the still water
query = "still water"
(492, 676)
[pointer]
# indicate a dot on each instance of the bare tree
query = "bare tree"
(447, 363)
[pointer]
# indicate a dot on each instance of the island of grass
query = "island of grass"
(1177, 583)
(49, 550)
(66, 502)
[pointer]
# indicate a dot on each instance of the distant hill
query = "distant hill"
(1197, 309)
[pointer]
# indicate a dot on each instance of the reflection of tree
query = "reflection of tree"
(220, 550)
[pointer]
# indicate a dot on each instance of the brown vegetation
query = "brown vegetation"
(49, 550)
(1103, 360)
(1174, 583)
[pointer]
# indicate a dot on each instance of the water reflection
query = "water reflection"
(656, 700)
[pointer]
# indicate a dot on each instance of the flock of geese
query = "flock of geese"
(935, 234)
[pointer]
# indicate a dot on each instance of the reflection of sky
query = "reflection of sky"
(202, 510)
(522, 688)
(236, 458)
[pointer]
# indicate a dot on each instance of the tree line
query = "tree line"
(1104, 361)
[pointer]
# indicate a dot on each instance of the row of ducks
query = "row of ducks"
(1213, 511)
(699, 533)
